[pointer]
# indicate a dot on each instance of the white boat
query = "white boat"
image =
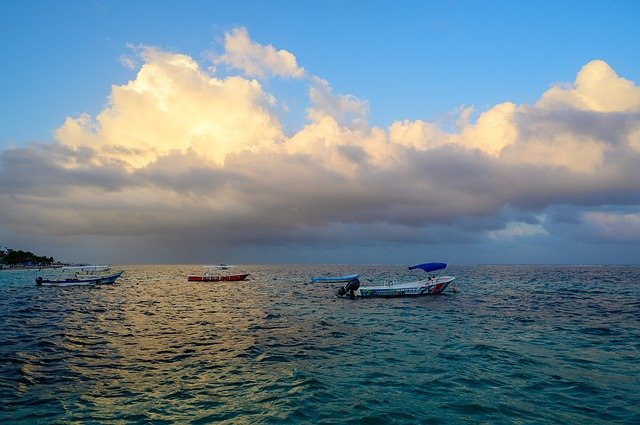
(430, 286)
(81, 276)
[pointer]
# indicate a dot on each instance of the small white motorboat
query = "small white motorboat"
(430, 286)
(81, 276)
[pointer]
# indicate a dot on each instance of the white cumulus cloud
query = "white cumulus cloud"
(174, 104)
(256, 60)
(183, 153)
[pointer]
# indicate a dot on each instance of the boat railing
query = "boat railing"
(391, 282)
(219, 267)
(86, 269)
(394, 281)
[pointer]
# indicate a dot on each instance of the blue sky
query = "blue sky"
(385, 84)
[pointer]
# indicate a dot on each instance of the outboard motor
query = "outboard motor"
(350, 287)
(39, 280)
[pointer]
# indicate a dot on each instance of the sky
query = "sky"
(321, 131)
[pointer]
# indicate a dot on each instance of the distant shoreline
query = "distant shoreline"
(18, 268)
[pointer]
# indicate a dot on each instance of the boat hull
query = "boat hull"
(227, 278)
(94, 280)
(411, 289)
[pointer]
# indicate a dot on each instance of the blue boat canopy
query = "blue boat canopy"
(429, 267)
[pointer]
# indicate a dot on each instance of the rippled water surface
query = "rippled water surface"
(514, 344)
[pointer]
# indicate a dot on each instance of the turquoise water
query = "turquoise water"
(515, 344)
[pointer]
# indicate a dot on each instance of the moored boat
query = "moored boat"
(81, 276)
(217, 273)
(430, 286)
(334, 279)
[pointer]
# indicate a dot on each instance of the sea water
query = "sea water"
(513, 344)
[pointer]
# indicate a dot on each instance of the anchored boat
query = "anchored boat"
(217, 273)
(81, 276)
(430, 286)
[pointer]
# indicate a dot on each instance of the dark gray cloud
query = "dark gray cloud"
(445, 194)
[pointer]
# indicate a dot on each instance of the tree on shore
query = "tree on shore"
(25, 257)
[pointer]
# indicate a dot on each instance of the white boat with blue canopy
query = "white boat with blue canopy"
(81, 276)
(432, 285)
(334, 279)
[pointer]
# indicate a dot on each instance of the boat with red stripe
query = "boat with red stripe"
(218, 273)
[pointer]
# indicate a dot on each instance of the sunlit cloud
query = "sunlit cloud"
(181, 151)
(256, 60)
(347, 110)
(597, 88)
(174, 104)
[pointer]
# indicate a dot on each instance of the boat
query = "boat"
(432, 285)
(81, 276)
(217, 273)
(334, 279)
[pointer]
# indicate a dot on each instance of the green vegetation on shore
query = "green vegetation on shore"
(24, 258)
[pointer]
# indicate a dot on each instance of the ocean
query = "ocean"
(514, 344)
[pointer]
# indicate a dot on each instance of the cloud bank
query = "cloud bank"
(192, 157)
